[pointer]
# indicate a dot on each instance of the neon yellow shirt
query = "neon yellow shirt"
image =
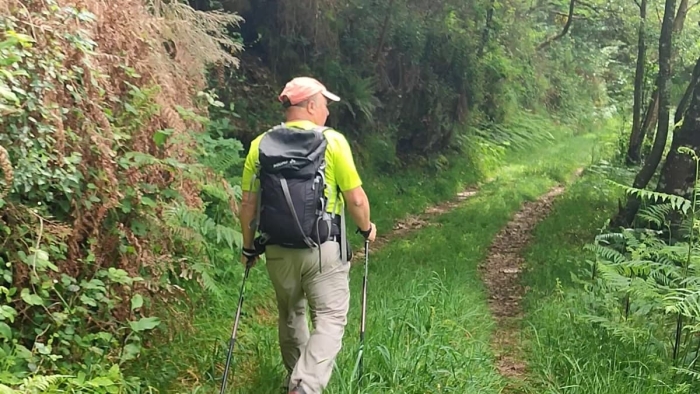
(340, 166)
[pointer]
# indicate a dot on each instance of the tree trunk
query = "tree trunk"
(678, 173)
(487, 29)
(626, 214)
(681, 15)
(653, 109)
(688, 95)
(637, 136)
(651, 118)
(385, 29)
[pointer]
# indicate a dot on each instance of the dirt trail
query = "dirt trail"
(501, 274)
(416, 222)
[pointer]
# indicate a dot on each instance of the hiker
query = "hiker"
(289, 162)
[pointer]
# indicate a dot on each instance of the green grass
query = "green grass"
(428, 325)
(568, 354)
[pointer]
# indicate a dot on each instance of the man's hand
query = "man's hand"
(370, 234)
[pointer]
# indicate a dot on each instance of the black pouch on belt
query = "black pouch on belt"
(335, 231)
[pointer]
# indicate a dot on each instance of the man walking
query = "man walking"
(302, 228)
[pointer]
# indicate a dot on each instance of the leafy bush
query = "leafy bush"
(108, 187)
(428, 78)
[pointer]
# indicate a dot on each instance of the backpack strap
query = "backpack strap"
(343, 226)
(256, 221)
(343, 232)
(288, 197)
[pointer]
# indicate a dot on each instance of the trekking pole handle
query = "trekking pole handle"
(250, 254)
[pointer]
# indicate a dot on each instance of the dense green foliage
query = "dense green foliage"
(105, 207)
(119, 184)
(603, 318)
(416, 78)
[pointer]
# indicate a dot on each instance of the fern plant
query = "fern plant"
(655, 276)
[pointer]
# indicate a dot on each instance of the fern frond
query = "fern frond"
(684, 301)
(656, 214)
(606, 253)
(41, 383)
(207, 281)
(206, 228)
(677, 202)
(688, 372)
(612, 277)
(232, 237)
(217, 192)
(625, 333)
(609, 236)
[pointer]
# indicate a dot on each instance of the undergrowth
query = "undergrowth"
(613, 312)
(106, 188)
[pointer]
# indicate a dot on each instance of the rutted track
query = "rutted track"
(501, 274)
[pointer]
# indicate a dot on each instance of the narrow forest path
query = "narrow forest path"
(501, 273)
(500, 270)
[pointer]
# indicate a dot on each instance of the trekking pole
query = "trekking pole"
(232, 341)
(364, 309)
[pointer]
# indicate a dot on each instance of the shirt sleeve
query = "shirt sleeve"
(346, 174)
(249, 168)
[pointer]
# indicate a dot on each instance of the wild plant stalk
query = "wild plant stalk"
(691, 239)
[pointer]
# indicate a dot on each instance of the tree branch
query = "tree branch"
(565, 30)
(591, 6)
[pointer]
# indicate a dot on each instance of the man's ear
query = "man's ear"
(312, 106)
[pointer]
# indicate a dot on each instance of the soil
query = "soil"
(501, 274)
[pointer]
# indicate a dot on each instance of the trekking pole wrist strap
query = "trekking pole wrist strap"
(365, 233)
(250, 253)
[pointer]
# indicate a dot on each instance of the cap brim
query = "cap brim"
(330, 96)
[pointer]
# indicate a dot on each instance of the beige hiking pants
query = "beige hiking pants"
(294, 273)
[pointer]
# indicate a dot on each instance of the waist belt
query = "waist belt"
(334, 236)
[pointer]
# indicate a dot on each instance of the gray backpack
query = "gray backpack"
(291, 202)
